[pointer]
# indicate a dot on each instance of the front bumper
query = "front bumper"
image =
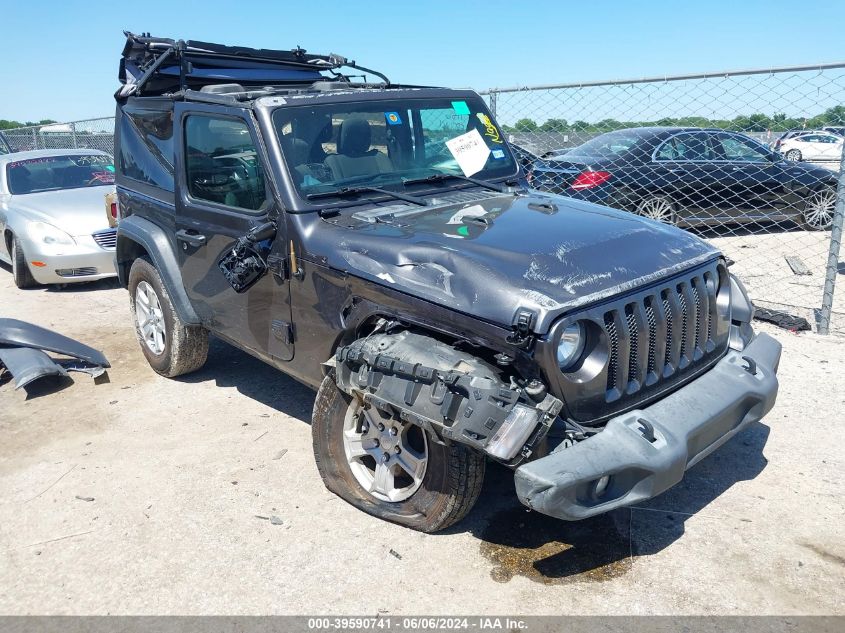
(646, 451)
(83, 261)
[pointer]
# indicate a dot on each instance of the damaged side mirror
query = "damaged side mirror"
(246, 262)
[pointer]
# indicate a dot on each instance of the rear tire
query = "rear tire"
(450, 485)
(171, 347)
(20, 269)
(658, 207)
(794, 155)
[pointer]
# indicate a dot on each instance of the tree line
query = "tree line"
(742, 123)
(6, 124)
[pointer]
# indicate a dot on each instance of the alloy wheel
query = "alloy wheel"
(150, 317)
(658, 208)
(387, 458)
(820, 208)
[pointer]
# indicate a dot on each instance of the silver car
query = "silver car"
(52, 220)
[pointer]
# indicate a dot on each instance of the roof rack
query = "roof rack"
(157, 66)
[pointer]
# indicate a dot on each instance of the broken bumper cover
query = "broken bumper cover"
(646, 451)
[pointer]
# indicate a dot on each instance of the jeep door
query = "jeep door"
(221, 193)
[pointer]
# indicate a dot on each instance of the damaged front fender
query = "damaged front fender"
(451, 394)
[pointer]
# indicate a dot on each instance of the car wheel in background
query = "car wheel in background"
(793, 155)
(20, 269)
(658, 207)
(391, 469)
(171, 346)
(819, 209)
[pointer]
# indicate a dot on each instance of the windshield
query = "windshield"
(50, 173)
(610, 145)
(338, 146)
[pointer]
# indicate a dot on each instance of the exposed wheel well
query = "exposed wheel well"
(127, 252)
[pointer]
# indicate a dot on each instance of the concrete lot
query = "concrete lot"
(181, 470)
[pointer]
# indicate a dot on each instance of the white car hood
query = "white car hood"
(75, 211)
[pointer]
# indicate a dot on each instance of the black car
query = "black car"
(690, 176)
(371, 241)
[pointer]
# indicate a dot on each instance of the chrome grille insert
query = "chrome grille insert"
(106, 239)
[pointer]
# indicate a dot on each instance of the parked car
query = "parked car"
(524, 156)
(51, 216)
(816, 146)
(445, 316)
(839, 130)
(690, 176)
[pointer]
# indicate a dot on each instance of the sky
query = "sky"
(58, 59)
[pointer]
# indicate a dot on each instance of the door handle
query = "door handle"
(190, 237)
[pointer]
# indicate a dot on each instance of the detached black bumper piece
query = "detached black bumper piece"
(644, 452)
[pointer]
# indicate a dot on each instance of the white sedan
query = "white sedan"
(815, 146)
(52, 226)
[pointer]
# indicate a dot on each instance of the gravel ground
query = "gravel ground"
(153, 496)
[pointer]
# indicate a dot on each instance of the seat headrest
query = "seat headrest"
(354, 138)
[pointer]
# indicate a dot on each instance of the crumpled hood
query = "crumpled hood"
(75, 211)
(492, 256)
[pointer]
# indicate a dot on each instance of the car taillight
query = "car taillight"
(114, 210)
(590, 179)
(529, 176)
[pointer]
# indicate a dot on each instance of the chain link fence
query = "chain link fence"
(88, 134)
(749, 160)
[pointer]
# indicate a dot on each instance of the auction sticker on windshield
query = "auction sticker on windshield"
(470, 151)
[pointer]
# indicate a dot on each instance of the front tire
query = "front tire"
(819, 209)
(171, 347)
(794, 155)
(436, 486)
(20, 269)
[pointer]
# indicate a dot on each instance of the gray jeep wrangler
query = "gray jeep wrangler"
(377, 242)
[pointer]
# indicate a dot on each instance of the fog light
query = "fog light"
(513, 433)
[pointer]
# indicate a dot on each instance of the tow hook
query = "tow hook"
(752, 365)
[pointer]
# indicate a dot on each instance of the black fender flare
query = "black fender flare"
(133, 232)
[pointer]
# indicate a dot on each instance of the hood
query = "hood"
(75, 211)
(494, 255)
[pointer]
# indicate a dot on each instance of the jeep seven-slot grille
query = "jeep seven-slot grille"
(660, 335)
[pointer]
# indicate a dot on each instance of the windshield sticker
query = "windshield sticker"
(490, 130)
(460, 107)
(498, 154)
(103, 176)
(470, 151)
(393, 118)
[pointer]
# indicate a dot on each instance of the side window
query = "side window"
(221, 163)
(685, 146)
(737, 148)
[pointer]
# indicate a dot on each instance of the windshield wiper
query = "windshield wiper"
(443, 176)
(345, 192)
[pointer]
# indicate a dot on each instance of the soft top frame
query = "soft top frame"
(154, 66)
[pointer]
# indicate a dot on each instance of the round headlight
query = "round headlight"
(570, 345)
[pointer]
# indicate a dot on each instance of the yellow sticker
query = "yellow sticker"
(490, 130)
